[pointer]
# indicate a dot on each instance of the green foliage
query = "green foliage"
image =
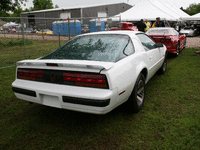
(19, 42)
(10, 54)
(17, 12)
(42, 4)
(56, 6)
(9, 5)
(193, 9)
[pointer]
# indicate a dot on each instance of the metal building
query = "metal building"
(44, 18)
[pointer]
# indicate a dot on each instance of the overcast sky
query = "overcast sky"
(76, 3)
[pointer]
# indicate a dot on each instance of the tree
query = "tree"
(9, 5)
(193, 9)
(17, 12)
(42, 4)
(56, 6)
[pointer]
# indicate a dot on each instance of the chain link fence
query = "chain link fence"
(30, 38)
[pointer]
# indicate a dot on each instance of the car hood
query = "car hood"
(84, 64)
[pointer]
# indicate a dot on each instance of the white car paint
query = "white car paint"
(121, 77)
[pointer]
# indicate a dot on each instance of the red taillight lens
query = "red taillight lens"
(27, 74)
(89, 80)
(168, 40)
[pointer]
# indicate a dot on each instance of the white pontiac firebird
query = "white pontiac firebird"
(93, 72)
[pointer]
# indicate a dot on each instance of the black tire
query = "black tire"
(163, 68)
(136, 100)
(178, 49)
(185, 43)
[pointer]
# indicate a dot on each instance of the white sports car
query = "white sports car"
(93, 72)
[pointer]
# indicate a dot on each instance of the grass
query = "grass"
(169, 119)
(13, 50)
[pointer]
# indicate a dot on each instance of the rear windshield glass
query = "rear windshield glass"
(160, 32)
(188, 28)
(108, 48)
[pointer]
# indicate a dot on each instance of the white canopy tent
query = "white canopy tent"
(150, 9)
(191, 18)
(175, 9)
(10, 24)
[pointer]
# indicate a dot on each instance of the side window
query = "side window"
(146, 41)
(176, 33)
(130, 48)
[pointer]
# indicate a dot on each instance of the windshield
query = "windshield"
(108, 48)
(160, 32)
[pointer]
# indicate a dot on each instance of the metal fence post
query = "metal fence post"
(24, 40)
(69, 28)
(120, 21)
(75, 26)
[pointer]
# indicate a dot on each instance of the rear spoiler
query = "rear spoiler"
(67, 63)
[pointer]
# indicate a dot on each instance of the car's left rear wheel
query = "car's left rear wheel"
(185, 43)
(163, 68)
(178, 49)
(136, 100)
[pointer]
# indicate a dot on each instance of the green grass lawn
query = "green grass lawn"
(10, 54)
(170, 118)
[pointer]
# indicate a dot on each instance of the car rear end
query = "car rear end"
(167, 40)
(78, 87)
(78, 75)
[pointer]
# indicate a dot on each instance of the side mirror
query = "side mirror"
(159, 45)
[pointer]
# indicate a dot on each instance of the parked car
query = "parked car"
(27, 30)
(189, 31)
(12, 30)
(169, 37)
(93, 72)
(85, 28)
(44, 31)
(125, 26)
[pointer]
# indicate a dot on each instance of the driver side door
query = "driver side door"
(153, 54)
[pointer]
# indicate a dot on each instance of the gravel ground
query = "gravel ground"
(35, 37)
(192, 42)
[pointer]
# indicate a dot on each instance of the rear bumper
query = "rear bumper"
(67, 99)
(171, 49)
(89, 100)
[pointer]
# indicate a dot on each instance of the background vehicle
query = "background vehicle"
(85, 28)
(189, 31)
(125, 26)
(93, 73)
(12, 30)
(44, 31)
(27, 30)
(169, 37)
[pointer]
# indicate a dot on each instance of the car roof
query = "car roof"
(124, 32)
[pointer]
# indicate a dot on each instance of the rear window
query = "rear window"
(160, 32)
(104, 47)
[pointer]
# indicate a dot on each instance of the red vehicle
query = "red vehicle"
(169, 37)
(125, 26)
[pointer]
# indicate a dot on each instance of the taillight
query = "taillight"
(28, 74)
(168, 40)
(162, 40)
(88, 80)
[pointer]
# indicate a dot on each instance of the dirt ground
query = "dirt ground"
(35, 37)
(192, 42)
